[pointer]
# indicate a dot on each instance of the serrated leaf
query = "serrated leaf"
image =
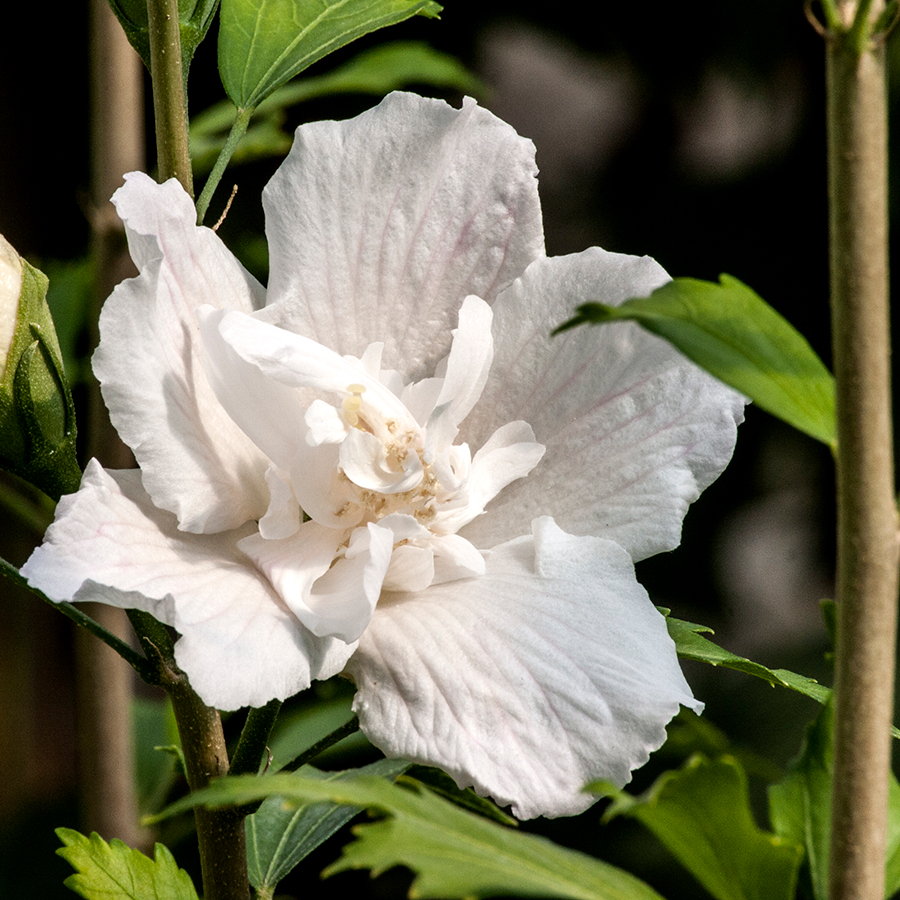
(800, 806)
(734, 334)
(378, 71)
(280, 835)
(194, 19)
(453, 852)
(702, 814)
(115, 871)
(264, 43)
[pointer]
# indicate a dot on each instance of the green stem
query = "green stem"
(254, 738)
(131, 656)
(238, 129)
(220, 832)
(832, 18)
(861, 27)
(867, 516)
(169, 100)
(154, 639)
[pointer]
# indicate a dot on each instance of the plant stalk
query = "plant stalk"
(867, 515)
(169, 100)
(238, 129)
(220, 832)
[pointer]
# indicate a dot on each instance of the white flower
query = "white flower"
(472, 500)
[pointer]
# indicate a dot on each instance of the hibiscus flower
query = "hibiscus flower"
(383, 464)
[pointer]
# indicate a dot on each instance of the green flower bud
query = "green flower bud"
(37, 418)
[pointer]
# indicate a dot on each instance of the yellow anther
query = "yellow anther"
(351, 404)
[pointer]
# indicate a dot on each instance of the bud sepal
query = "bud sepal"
(37, 415)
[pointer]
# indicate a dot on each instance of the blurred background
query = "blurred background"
(694, 134)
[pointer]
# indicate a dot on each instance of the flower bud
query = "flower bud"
(37, 418)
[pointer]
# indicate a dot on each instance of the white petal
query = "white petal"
(510, 454)
(321, 489)
(552, 670)
(469, 360)
(269, 413)
(333, 595)
(282, 518)
(363, 458)
(633, 430)
(299, 362)
(196, 462)
(411, 569)
(325, 423)
(379, 226)
(240, 645)
(455, 558)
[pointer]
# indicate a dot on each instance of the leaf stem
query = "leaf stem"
(130, 655)
(254, 738)
(319, 747)
(169, 99)
(867, 516)
(238, 129)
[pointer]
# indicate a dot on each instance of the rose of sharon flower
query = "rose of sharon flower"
(383, 465)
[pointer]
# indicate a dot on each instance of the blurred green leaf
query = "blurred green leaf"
(378, 71)
(69, 298)
(734, 334)
(264, 43)
(702, 814)
(117, 872)
(194, 19)
(454, 852)
(800, 806)
(280, 835)
(154, 764)
(297, 730)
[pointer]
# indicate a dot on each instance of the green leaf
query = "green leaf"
(800, 806)
(377, 72)
(264, 43)
(117, 872)
(440, 783)
(702, 814)
(194, 19)
(296, 731)
(280, 835)
(733, 333)
(454, 852)
(690, 644)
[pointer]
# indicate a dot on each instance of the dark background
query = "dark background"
(692, 133)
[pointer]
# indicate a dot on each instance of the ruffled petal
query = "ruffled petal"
(282, 518)
(239, 645)
(298, 362)
(333, 594)
(469, 360)
(552, 670)
(196, 462)
(510, 454)
(379, 226)
(633, 430)
(269, 413)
